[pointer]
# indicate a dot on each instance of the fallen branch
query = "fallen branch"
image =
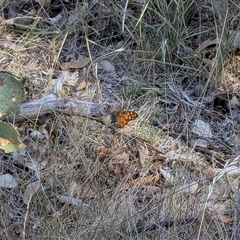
(52, 104)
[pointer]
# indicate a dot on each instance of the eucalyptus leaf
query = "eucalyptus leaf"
(9, 138)
(11, 94)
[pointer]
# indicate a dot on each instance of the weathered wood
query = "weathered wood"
(52, 104)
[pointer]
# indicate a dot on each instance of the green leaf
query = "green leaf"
(9, 138)
(11, 94)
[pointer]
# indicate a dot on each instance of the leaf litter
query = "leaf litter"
(121, 176)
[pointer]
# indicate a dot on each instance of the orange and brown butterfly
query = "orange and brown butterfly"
(123, 117)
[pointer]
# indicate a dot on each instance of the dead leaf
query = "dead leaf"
(128, 179)
(200, 143)
(152, 179)
(206, 44)
(121, 158)
(193, 160)
(157, 178)
(20, 158)
(79, 64)
(73, 201)
(219, 211)
(82, 85)
(69, 200)
(166, 172)
(56, 19)
(114, 167)
(119, 45)
(7, 181)
(40, 135)
(146, 180)
(159, 159)
(70, 79)
(202, 129)
(234, 102)
(31, 189)
(143, 153)
(117, 163)
(224, 218)
(103, 152)
(72, 188)
(88, 192)
(107, 66)
(175, 146)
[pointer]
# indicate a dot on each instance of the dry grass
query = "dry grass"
(147, 180)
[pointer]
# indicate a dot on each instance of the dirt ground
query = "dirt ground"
(146, 142)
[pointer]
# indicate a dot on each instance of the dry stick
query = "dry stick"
(52, 104)
(26, 218)
(236, 227)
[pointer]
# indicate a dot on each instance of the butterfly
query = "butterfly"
(123, 117)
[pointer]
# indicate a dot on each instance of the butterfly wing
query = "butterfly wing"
(124, 117)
